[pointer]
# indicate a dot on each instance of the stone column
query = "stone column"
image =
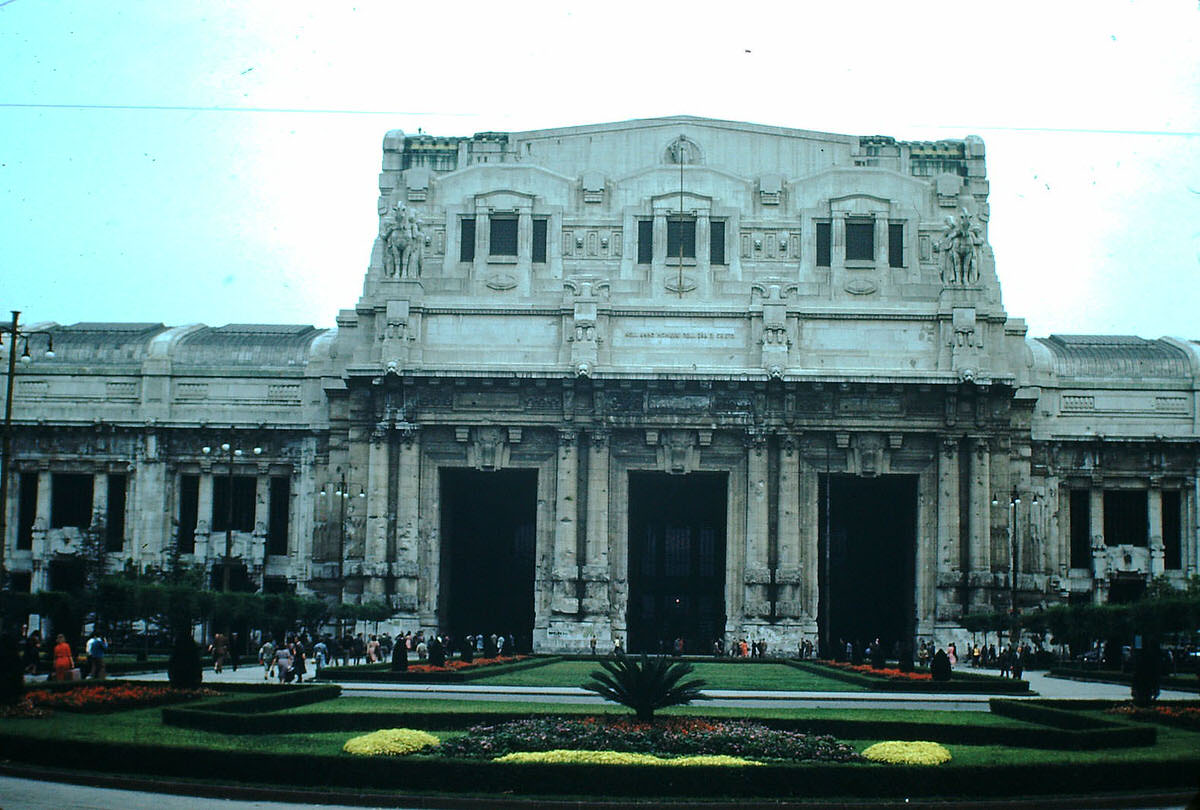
(408, 506)
(1099, 549)
(810, 540)
(151, 505)
(1154, 531)
(565, 571)
(525, 249)
(204, 516)
(757, 575)
(980, 554)
(789, 571)
(375, 543)
(658, 261)
(40, 581)
(100, 499)
(483, 238)
(703, 247)
(595, 567)
(949, 562)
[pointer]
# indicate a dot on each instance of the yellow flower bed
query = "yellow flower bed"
(619, 758)
(389, 742)
(908, 752)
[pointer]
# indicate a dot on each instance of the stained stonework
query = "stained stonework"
(624, 306)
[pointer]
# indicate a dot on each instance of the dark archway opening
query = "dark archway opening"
(676, 561)
(488, 541)
(867, 579)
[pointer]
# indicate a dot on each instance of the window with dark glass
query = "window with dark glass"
(503, 234)
(716, 241)
(189, 512)
(824, 245)
(539, 241)
(895, 245)
(1125, 517)
(70, 500)
(1172, 519)
(860, 240)
(645, 241)
(27, 511)
(114, 525)
(681, 235)
(466, 241)
(244, 487)
(277, 524)
(1081, 521)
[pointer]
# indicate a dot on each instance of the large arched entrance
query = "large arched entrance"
(868, 557)
(487, 526)
(676, 560)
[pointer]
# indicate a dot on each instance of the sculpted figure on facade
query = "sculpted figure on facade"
(960, 250)
(404, 241)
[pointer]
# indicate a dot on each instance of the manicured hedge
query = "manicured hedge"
(1187, 683)
(1073, 730)
(409, 773)
(247, 710)
(961, 683)
(382, 673)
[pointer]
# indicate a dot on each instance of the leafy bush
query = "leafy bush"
(673, 736)
(12, 670)
(940, 668)
(573, 756)
(908, 752)
(185, 670)
(645, 684)
(392, 742)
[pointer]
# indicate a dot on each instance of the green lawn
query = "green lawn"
(767, 677)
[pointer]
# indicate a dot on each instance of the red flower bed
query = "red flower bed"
(457, 664)
(886, 672)
(108, 698)
(1185, 715)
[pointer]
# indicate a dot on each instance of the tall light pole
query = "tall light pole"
(233, 453)
(342, 493)
(14, 332)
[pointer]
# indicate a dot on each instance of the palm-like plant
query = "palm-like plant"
(645, 684)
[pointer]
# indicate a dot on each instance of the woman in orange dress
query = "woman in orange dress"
(63, 662)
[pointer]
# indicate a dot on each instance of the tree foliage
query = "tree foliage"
(645, 684)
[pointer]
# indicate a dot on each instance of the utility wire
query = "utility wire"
(190, 108)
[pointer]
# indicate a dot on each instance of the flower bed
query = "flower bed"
(571, 756)
(112, 697)
(673, 736)
(1185, 715)
(882, 672)
(392, 742)
(908, 752)
(458, 665)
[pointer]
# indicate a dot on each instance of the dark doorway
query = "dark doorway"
(488, 543)
(1124, 589)
(239, 577)
(868, 556)
(676, 561)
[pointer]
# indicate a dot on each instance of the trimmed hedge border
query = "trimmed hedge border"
(382, 673)
(961, 683)
(573, 780)
(1180, 682)
(247, 709)
(1075, 731)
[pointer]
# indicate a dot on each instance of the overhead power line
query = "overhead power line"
(199, 108)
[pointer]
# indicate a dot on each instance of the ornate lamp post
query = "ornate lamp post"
(234, 453)
(342, 493)
(15, 334)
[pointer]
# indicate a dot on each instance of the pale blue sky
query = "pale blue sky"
(115, 208)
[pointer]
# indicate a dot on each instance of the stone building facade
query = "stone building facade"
(657, 379)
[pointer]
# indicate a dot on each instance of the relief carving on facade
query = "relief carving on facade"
(960, 247)
(404, 243)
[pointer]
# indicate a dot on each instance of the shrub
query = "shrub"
(908, 752)
(184, 670)
(645, 684)
(940, 668)
(1145, 684)
(391, 742)
(573, 756)
(12, 671)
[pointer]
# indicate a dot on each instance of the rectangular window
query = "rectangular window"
(503, 236)
(189, 512)
(895, 245)
(1172, 519)
(1125, 517)
(539, 241)
(645, 241)
(466, 241)
(244, 487)
(27, 511)
(716, 241)
(824, 245)
(114, 524)
(860, 240)
(1081, 521)
(70, 500)
(277, 526)
(681, 235)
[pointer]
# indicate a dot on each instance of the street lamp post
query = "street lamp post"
(342, 493)
(15, 333)
(233, 454)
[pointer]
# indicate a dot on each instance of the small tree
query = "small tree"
(184, 670)
(645, 684)
(940, 668)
